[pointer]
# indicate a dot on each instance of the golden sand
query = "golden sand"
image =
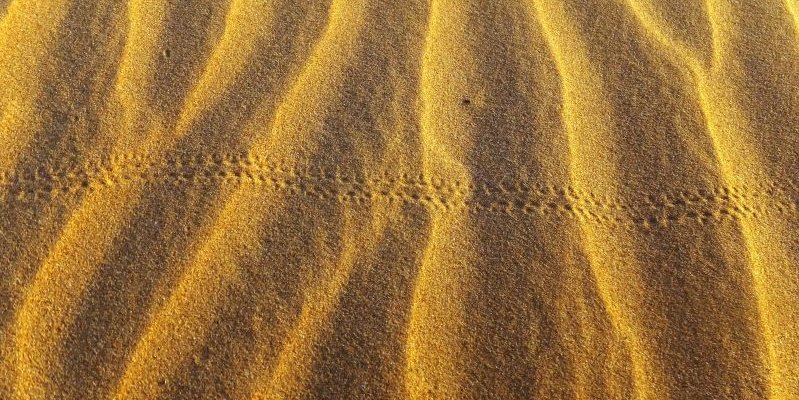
(284, 199)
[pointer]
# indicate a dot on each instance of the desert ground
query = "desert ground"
(415, 199)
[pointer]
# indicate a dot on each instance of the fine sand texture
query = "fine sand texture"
(399, 199)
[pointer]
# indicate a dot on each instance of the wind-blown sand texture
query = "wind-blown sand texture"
(556, 199)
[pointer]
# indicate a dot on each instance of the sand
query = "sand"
(455, 199)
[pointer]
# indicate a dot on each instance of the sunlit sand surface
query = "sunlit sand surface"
(455, 199)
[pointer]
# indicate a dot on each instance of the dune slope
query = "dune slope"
(283, 199)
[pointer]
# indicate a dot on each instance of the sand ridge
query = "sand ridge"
(417, 199)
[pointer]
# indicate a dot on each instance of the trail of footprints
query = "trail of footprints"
(504, 195)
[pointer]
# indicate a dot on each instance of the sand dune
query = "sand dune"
(574, 199)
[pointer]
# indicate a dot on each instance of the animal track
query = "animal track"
(505, 195)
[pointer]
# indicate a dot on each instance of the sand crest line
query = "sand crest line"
(502, 195)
